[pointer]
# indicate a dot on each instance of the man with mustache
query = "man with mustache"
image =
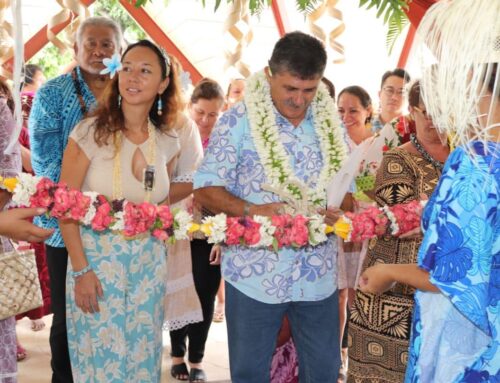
(281, 117)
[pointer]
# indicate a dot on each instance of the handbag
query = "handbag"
(19, 284)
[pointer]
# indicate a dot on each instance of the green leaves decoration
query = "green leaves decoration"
(393, 12)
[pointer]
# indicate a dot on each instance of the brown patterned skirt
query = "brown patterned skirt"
(379, 327)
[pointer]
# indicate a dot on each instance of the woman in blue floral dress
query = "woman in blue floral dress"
(456, 322)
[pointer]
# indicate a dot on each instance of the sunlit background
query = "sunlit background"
(199, 33)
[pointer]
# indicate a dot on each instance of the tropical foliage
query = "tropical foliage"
(391, 11)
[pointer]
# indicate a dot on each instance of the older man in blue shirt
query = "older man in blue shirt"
(58, 106)
(262, 286)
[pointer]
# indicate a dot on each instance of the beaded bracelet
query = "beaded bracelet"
(85, 270)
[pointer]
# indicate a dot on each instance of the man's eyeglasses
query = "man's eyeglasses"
(391, 91)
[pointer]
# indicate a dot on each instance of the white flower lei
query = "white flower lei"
(271, 151)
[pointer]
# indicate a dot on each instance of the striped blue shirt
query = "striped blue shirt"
(55, 112)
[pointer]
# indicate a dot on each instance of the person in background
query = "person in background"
(262, 286)
(58, 106)
(392, 97)
(33, 80)
(379, 326)
(235, 92)
(182, 305)
(206, 103)
(356, 111)
(10, 166)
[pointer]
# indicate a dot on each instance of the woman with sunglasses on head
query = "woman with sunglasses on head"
(116, 285)
(379, 326)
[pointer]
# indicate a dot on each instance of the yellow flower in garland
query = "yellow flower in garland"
(342, 228)
(8, 184)
(329, 229)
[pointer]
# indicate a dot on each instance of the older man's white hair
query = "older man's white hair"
(100, 21)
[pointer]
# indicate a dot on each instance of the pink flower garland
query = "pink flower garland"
(374, 222)
(275, 232)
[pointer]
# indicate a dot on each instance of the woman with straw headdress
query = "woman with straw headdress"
(456, 323)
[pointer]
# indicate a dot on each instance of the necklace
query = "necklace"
(149, 171)
(78, 89)
(438, 165)
(272, 153)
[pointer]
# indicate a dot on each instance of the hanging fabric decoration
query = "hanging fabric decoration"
(71, 10)
(328, 6)
(238, 28)
(6, 40)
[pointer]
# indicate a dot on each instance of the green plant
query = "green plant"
(394, 16)
(51, 60)
(114, 10)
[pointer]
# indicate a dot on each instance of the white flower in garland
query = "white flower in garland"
(90, 214)
(266, 231)
(119, 223)
(218, 227)
(25, 188)
(392, 219)
(317, 229)
(182, 224)
(271, 151)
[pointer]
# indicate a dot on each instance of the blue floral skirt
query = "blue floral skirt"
(123, 342)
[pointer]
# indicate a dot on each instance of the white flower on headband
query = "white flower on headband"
(112, 64)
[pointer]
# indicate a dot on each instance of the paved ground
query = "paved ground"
(36, 367)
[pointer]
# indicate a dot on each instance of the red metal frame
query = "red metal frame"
(153, 30)
(403, 57)
(280, 16)
(39, 39)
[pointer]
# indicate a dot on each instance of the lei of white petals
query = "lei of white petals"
(25, 188)
(119, 223)
(218, 227)
(183, 220)
(392, 218)
(266, 231)
(317, 229)
(90, 213)
(271, 151)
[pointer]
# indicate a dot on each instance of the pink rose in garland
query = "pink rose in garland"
(407, 216)
(69, 203)
(103, 217)
(242, 231)
(235, 231)
(162, 228)
(299, 232)
(44, 195)
(251, 236)
(370, 223)
(282, 234)
(138, 218)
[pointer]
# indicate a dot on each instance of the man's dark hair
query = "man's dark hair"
(398, 72)
(300, 54)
